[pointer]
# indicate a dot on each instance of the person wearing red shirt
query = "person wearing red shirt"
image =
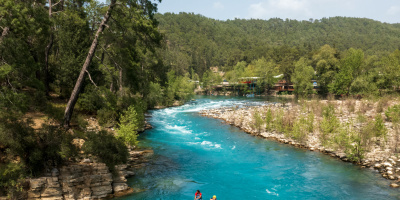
(197, 195)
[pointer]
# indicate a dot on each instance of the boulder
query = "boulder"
(118, 187)
(386, 164)
(394, 185)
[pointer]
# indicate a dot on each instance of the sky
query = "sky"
(381, 10)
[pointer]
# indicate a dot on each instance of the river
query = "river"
(198, 153)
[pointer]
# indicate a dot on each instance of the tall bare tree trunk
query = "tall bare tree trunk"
(46, 64)
(78, 86)
(47, 52)
(120, 79)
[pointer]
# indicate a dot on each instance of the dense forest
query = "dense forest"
(345, 55)
(71, 59)
(198, 42)
(67, 60)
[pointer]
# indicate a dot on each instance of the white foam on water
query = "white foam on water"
(234, 147)
(272, 193)
(197, 138)
(177, 129)
(211, 144)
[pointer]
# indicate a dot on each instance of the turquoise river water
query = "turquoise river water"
(199, 153)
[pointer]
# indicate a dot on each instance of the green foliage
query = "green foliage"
(349, 69)
(11, 179)
(329, 124)
(310, 122)
(94, 99)
(128, 126)
(106, 148)
(303, 74)
(300, 129)
(278, 122)
(107, 117)
(178, 88)
(51, 145)
(326, 61)
(380, 129)
(155, 95)
(268, 120)
(258, 121)
(393, 113)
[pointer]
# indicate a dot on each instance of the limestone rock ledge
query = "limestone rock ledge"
(86, 180)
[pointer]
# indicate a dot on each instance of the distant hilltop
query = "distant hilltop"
(202, 42)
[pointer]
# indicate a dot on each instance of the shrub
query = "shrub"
(35, 150)
(310, 122)
(278, 122)
(107, 117)
(128, 126)
(106, 148)
(12, 176)
(329, 124)
(300, 129)
(258, 121)
(379, 127)
(382, 104)
(393, 113)
(268, 120)
(91, 100)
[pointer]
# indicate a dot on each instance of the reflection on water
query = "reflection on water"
(194, 152)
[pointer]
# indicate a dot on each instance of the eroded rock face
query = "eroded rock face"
(86, 180)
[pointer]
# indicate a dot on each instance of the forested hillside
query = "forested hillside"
(198, 42)
(62, 62)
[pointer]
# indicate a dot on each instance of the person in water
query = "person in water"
(214, 198)
(197, 195)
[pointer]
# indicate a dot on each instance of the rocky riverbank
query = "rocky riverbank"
(87, 180)
(376, 152)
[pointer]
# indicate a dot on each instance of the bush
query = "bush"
(107, 117)
(278, 122)
(128, 126)
(94, 99)
(310, 122)
(329, 124)
(35, 150)
(258, 121)
(91, 100)
(379, 127)
(393, 113)
(268, 120)
(106, 148)
(300, 129)
(12, 176)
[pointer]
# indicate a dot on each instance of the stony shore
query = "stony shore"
(380, 154)
(87, 180)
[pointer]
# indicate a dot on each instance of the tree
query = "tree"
(79, 83)
(128, 127)
(349, 70)
(326, 62)
(303, 74)
(266, 70)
